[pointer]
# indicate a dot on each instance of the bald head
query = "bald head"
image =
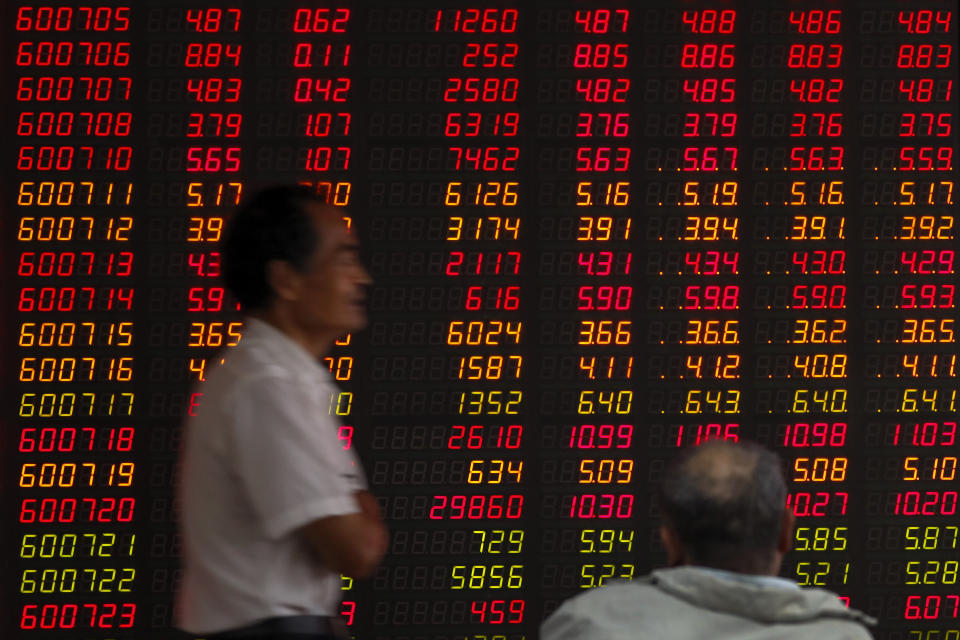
(725, 504)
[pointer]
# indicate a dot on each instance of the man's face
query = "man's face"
(332, 291)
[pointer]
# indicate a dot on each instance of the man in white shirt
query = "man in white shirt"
(726, 530)
(273, 508)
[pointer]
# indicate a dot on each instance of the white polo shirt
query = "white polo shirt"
(261, 458)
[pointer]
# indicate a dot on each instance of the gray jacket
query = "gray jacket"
(694, 603)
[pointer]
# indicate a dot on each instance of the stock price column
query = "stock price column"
(485, 261)
(708, 259)
(445, 194)
(910, 341)
(693, 226)
(313, 142)
(192, 176)
(800, 265)
(74, 323)
(212, 128)
(587, 297)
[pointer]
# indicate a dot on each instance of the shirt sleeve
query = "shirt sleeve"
(288, 457)
(357, 479)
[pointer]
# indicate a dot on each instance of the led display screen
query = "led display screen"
(599, 232)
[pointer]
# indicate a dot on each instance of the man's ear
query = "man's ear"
(283, 279)
(671, 544)
(787, 522)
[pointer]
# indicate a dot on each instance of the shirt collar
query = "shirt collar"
(766, 581)
(281, 345)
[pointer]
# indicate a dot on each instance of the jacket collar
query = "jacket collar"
(760, 600)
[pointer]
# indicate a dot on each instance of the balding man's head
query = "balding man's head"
(725, 504)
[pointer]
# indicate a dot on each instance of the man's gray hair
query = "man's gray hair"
(725, 502)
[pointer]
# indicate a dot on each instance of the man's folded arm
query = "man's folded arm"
(352, 544)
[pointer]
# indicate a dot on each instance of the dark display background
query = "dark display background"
(597, 231)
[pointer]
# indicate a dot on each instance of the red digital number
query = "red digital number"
(604, 298)
(816, 124)
(817, 434)
(712, 297)
(321, 20)
(710, 124)
(603, 436)
(710, 89)
(501, 298)
(212, 54)
(818, 504)
(603, 159)
(481, 90)
(708, 56)
(927, 90)
(931, 607)
(926, 21)
(214, 89)
(712, 263)
(710, 159)
(485, 158)
(497, 611)
(924, 56)
(602, 20)
(710, 21)
(928, 503)
(205, 299)
(927, 296)
(819, 296)
(603, 89)
(926, 159)
(477, 20)
(926, 124)
(601, 56)
(816, 90)
(815, 56)
(490, 54)
(475, 124)
(213, 159)
(477, 507)
(67, 510)
(603, 506)
(705, 432)
(816, 21)
(928, 261)
(820, 262)
(48, 18)
(213, 19)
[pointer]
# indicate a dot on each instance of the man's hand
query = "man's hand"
(371, 508)
(368, 504)
(352, 544)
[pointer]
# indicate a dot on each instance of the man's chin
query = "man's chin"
(355, 320)
(358, 321)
